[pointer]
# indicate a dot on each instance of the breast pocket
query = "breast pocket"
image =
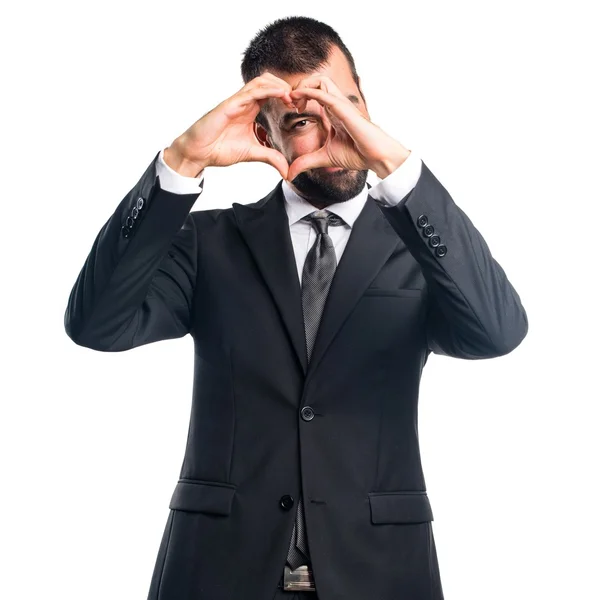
(402, 292)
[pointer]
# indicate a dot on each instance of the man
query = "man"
(302, 475)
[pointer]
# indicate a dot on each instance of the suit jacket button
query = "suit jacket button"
(428, 230)
(129, 222)
(125, 231)
(307, 413)
(434, 241)
(422, 221)
(140, 203)
(286, 502)
(441, 250)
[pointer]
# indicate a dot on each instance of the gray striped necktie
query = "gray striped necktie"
(317, 275)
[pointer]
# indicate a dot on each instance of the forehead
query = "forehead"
(336, 68)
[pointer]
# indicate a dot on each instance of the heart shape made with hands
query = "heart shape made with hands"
(352, 138)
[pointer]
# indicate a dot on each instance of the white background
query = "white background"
(501, 102)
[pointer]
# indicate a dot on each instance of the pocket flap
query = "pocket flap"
(400, 507)
(195, 495)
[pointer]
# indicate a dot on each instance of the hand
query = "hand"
(354, 142)
(225, 135)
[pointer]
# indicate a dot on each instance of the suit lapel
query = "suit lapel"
(264, 226)
(370, 244)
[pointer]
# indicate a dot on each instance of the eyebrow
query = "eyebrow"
(287, 117)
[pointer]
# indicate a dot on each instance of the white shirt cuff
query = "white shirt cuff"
(174, 182)
(399, 183)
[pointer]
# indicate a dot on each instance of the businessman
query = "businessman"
(313, 312)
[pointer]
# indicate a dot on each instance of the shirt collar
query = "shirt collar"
(297, 207)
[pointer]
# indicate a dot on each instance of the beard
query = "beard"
(329, 188)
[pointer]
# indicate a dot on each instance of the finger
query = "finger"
(267, 92)
(270, 80)
(262, 93)
(271, 157)
(355, 123)
(312, 160)
(301, 98)
(321, 96)
(267, 75)
(266, 78)
(321, 82)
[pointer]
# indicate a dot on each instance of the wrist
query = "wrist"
(392, 161)
(175, 159)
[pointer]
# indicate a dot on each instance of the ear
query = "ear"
(262, 135)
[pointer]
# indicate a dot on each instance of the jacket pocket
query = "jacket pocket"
(400, 507)
(195, 495)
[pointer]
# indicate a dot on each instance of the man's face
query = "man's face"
(296, 136)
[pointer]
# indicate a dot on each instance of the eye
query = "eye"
(298, 122)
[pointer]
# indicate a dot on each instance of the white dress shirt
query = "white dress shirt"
(387, 192)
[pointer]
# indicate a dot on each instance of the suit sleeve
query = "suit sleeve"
(473, 311)
(138, 280)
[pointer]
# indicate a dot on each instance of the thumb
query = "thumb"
(307, 161)
(271, 157)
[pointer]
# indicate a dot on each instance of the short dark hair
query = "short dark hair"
(291, 45)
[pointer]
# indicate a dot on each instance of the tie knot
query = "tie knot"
(321, 219)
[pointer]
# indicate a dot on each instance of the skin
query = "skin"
(305, 135)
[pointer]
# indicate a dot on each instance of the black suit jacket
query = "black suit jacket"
(264, 425)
